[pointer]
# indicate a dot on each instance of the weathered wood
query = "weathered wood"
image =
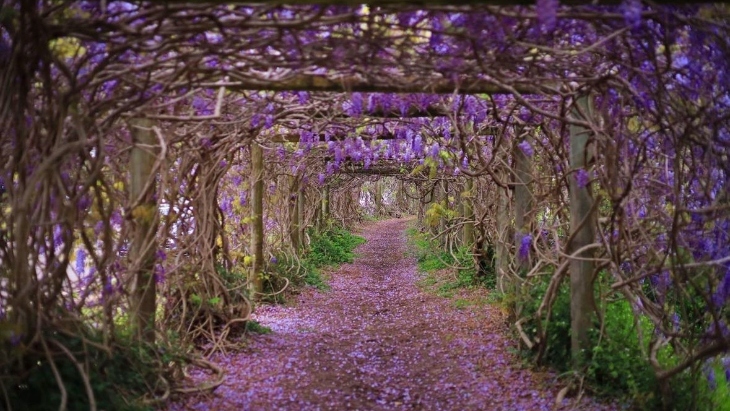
(294, 229)
(504, 238)
(523, 200)
(145, 217)
(255, 280)
(292, 137)
(427, 3)
(582, 223)
(301, 198)
(467, 212)
(378, 198)
(416, 84)
(325, 205)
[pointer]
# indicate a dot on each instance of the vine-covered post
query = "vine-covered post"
(325, 205)
(582, 227)
(294, 197)
(378, 198)
(400, 197)
(144, 247)
(467, 208)
(257, 219)
(523, 201)
(301, 198)
(502, 262)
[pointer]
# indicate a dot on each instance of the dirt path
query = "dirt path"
(377, 342)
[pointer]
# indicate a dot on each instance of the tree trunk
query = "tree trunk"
(257, 219)
(582, 223)
(145, 213)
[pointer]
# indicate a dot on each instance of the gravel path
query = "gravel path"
(375, 341)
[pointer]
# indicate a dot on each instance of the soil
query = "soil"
(378, 341)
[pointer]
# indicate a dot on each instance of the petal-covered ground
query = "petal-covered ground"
(376, 341)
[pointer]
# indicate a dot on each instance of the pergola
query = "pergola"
(171, 89)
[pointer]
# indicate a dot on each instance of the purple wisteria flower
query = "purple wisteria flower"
(417, 147)
(303, 97)
(435, 150)
(107, 290)
(15, 339)
(159, 273)
(525, 243)
(80, 261)
(547, 13)
(582, 178)
(710, 374)
(355, 108)
(5, 51)
(84, 202)
(526, 148)
(631, 9)
(226, 205)
(722, 294)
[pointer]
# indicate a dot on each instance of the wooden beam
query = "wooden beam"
(295, 137)
(425, 3)
(375, 171)
(321, 138)
(320, 83)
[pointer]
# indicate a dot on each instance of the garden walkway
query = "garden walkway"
(376, 341)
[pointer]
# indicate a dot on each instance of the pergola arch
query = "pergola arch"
(501, 94)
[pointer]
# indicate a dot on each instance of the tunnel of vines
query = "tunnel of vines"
(171, 167)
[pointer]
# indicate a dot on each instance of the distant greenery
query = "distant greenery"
(332, 247)
(327, 248)
(431, 258)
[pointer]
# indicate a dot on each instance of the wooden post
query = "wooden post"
(378, 198)
(503, 237)
(582, 224)
(301, 198)
(467, 211)
(523, 204)
(400, 198)
(255, 283)
(325, 205)
(294, 197)
(145, 214)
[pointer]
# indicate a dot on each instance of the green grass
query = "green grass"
(432, 259)
(255, 327)
(617, 366)
(327, 249)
